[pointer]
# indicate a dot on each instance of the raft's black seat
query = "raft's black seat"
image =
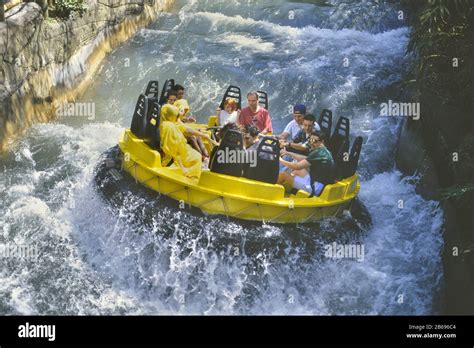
(139, 118)
(325, 122)
(152, 129)
(169, 85)
(321, 172)
(341, 161)
(232, 92)
(341, 134)
(153, 90)
(263, 99)
(351, 166)
(267, 166)
(232, 141)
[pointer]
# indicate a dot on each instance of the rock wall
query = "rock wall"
(47, 61)
(441, 146)
(415, 156)
(412, 158)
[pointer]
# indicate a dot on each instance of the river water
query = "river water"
(135, 257)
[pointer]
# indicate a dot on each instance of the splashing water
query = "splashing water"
(144, 255)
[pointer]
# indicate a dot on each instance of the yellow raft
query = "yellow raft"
(235, 197)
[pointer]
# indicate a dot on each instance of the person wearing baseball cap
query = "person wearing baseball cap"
(295, 125)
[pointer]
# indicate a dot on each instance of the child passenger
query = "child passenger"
(171, 97)
(230, 114)
(183, 103)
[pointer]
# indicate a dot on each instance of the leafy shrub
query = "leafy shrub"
(67, 8)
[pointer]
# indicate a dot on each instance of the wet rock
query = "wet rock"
(46, 60)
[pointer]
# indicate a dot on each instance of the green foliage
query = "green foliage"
(66, 8)
(442, 39)
(442, 29)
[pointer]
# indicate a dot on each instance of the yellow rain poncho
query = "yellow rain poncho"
(175, 146)
(183, 108)
(170, 113)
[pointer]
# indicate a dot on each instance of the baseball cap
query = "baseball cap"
(299, 108)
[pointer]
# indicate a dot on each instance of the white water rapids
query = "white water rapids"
(136, 260)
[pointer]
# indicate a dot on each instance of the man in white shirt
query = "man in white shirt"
(300, 141)
(293, 128)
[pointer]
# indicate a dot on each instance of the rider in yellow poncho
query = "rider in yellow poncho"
(175, 145)
(171, 113)
(193, 139)
(183, 107)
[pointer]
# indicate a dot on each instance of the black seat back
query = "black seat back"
(152, 129)
(341, 134)
(139, 120)
(322, 172)
(351, 167)
(325, 122)
(341, 160)
(268, 162)
(263, 99)
(232, 92)
(232, 141)
(153, 90)
(169, 85)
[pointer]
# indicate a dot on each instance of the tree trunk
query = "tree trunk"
(44, 7)
(2, 11)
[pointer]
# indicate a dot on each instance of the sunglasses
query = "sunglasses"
(313, 140)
